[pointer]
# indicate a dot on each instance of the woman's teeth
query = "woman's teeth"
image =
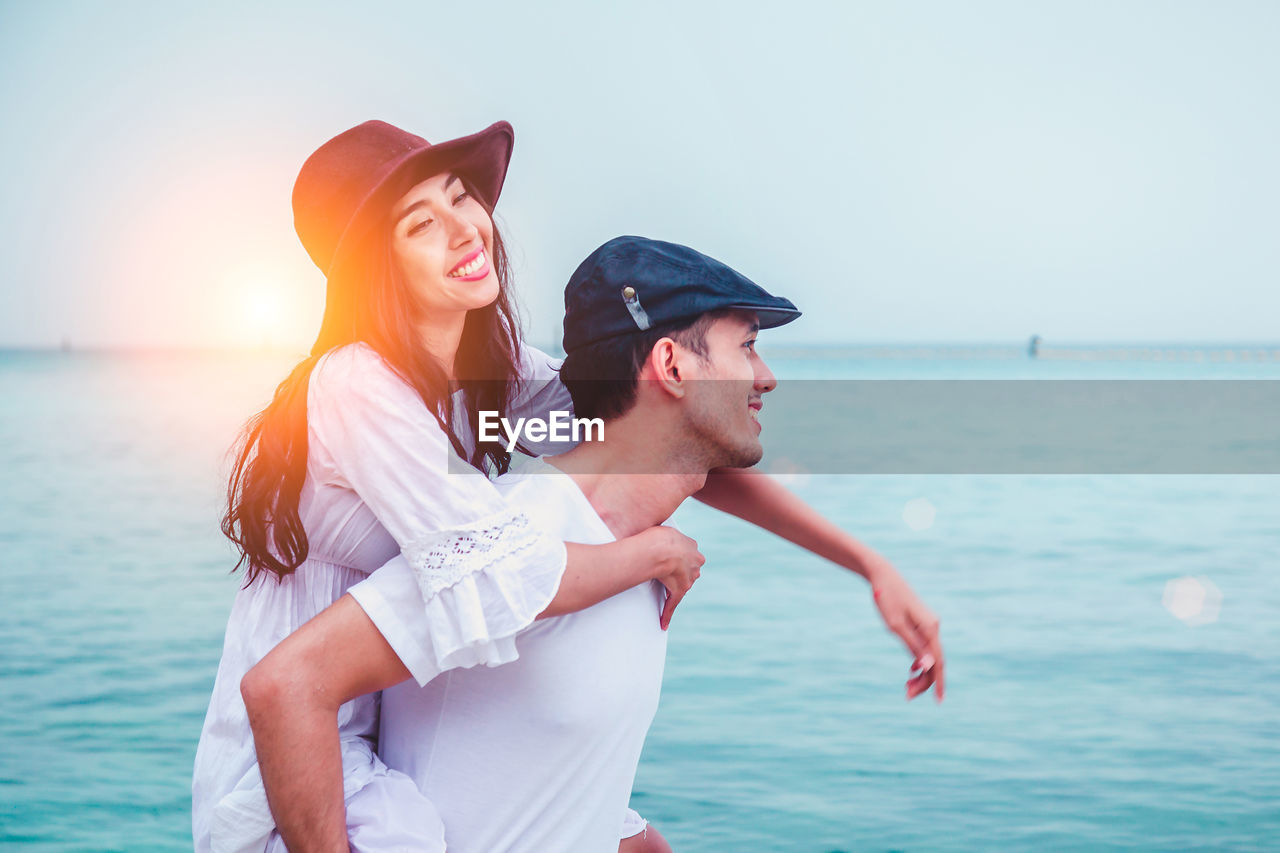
(472, 266)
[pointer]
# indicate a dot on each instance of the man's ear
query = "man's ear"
(663, 367)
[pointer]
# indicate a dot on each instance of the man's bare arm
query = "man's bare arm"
(292, 697)
(293, 694)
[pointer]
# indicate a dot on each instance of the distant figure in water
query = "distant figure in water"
(1033, 347)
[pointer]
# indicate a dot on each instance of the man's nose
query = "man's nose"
(765, 380)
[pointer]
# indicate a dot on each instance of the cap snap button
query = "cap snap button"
(628, 292)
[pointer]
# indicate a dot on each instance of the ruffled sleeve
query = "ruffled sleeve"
(481, 571)
(437, 611)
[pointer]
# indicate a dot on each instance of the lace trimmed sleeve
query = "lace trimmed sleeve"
(479, 570)
(458, 597)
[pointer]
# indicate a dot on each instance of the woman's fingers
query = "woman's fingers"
(930, 663)
(899, 621)
(917, 627)
(920, 683)
(940, 682)
(928, 629)
(685, 569)
(673, 598)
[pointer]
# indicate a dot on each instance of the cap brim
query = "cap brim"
(772, 316)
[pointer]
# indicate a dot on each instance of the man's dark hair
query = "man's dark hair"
(602, 377)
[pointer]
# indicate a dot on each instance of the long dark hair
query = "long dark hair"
(270, 467)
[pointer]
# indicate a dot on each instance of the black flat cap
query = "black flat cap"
(631, 284)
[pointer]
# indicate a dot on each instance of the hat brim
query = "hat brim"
(770, 317)
(480, 159)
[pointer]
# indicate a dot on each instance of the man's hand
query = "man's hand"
(906, 616)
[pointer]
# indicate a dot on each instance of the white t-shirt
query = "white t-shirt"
(377, 485)
(538, 754)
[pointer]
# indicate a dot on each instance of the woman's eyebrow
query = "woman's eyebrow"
(410, 209)
(453, 179)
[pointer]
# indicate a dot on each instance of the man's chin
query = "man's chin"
(743, 457)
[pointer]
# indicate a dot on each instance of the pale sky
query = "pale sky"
(922, 171)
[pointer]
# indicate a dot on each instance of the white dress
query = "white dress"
(538, 754)
(378, 485)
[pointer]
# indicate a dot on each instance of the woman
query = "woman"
(348, 465)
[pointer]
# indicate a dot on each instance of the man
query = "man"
(540, 754)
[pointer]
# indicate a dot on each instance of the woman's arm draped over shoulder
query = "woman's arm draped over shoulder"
(484, 571)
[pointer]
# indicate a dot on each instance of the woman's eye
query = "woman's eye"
(751, 344)
(420, 227)
(463, 195)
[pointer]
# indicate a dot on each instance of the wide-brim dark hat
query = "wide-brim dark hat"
(345, 190)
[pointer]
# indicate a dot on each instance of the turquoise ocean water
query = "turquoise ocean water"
(1081, 713)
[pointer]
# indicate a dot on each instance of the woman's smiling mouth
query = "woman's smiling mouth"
(474, 266)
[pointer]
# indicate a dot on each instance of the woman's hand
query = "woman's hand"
(677, 565)
(906, 616)
(761, 500)
(596, 572)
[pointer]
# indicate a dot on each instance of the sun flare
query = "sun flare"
(264, 307)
